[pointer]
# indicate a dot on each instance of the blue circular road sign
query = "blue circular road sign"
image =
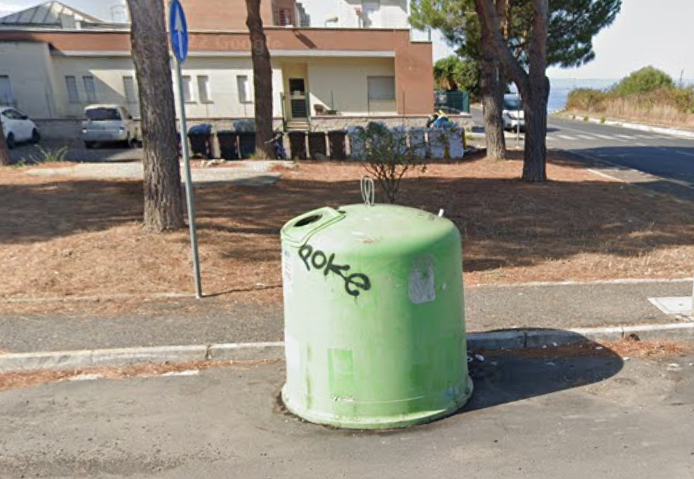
(178, 29)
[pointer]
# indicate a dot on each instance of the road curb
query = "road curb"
(493, 340)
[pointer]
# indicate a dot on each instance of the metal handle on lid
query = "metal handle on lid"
(368, 191)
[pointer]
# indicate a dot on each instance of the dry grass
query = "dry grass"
(627, 348)
(27, 379)
(634, 348)
(63, 238)
(658, 115)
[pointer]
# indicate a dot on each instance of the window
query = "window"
(72, 92)
(102, 114)
(204, 89)
(244, 88)
(130, 89)
(6, 96)
(381, 88)
(283, 17)
(13, 114)
(90, 88)
(188, 89)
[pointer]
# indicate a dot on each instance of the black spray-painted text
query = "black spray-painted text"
(355, 283)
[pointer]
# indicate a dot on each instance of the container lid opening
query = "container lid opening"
(307, 221)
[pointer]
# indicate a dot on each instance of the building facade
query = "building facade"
(348, 58)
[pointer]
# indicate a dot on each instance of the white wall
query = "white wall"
(108, 76)
(29, 69)
(346, 78)
(393, 13)
(222, 73)
(109, 73)
(38, 82)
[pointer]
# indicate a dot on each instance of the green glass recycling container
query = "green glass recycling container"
(374, 317)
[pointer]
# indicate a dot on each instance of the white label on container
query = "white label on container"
(421, 284)
(287, 270)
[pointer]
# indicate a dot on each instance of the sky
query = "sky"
(646, 32)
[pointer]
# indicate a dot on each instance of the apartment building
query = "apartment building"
(330, 58)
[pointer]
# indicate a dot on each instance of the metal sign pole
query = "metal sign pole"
(178, 29)
(190, 199)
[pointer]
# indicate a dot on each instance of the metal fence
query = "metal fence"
(452, 101)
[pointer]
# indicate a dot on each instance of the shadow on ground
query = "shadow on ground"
(503, 222)
(507, 377)
(671, 167)
(510, 376)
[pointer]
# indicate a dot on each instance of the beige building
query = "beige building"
(363, 60)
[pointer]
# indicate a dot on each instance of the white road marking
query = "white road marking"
(566, 137)
(606, 137)
(586, 137)
(626, 137)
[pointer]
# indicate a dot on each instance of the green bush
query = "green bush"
(643, 90)
(602, 120)
(49, 155)
(586, 99)
(387, 156)
(453, 73)
(644, 80)
(681, 99)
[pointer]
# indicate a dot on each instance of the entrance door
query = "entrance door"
(297, 98)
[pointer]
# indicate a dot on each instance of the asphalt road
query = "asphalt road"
(571, 417)
(31, 154)
(665, 162)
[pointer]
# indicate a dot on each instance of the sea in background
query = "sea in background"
(561, 87)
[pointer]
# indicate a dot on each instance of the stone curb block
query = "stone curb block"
(509, 340)
(100, 357)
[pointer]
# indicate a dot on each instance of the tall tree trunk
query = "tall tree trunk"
(492, 103)
(262, 79)
(535, 99)
(533, 85)
(162, 174)
(493, 89)
(5, 159)
(535, 94)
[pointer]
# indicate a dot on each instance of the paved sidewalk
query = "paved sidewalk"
(227, 320)
(246, 173)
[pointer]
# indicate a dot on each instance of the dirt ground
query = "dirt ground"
(65, 237)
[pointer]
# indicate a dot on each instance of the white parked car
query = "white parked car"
(109, 124)
(18, 127)
(513, 113)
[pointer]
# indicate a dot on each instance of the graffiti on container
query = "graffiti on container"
(355, 283)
